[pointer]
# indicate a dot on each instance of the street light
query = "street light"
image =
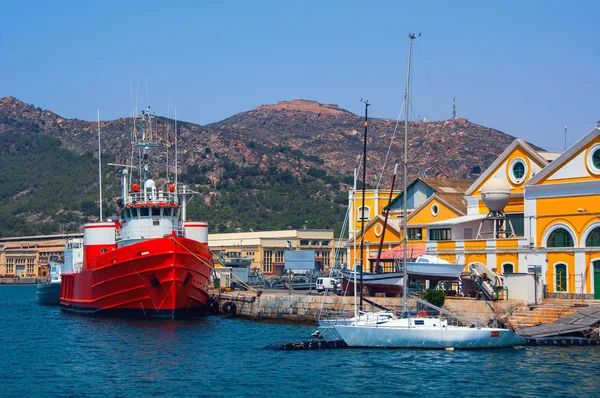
(582, 210)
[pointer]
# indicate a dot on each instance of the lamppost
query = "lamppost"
(582, 210)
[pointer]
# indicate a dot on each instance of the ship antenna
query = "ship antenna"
(176, 167)
(99, 165)
(167, 143)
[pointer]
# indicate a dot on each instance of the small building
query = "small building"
(28, 256)
(267, 249)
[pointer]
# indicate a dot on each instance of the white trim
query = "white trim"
(491, 261)
(585, 188)
(556, 164)
(375, 229)
(472, 205)
(553, 228)
(586, 233)
(361, 212)
(435, 212)
(589, 161)
(503, 158)
(579, 269)
(511, 172)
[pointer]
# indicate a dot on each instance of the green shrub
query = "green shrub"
(435, 297)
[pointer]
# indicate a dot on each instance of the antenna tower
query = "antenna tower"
(453, 108)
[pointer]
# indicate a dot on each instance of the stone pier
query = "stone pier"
(303, 308)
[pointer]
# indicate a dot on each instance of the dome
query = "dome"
(150, 184)
(495, 194)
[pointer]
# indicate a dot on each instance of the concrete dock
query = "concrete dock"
(299, 307)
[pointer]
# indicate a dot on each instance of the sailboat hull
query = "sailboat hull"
(429, 337)
(158, 278)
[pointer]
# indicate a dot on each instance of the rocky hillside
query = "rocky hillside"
(251, 157)
(451, 148)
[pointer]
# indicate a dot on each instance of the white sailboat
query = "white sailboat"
(422, 332)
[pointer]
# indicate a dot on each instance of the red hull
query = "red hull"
(158, 278)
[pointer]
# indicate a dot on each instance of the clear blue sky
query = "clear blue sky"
(527, 68)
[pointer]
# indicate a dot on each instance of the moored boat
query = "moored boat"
(431, 333)
(427, 267)
(147, 262)
(48, 293)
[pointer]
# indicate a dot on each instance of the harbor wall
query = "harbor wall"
(296, 308)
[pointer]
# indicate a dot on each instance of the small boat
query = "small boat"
(427, 267)
(147, 262)
(48, 293)
(328, 332)
(431, 333)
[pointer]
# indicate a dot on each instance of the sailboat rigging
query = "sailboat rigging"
(425, 332)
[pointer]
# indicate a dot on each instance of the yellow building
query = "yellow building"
(428, 199)
(28, 256)
(554, 211)
(267, 249)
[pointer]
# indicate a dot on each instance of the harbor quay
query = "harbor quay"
(300, 307)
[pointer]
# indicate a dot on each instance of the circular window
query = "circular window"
(517, 171)
(593, 159)
(435, 209)
(378, 229)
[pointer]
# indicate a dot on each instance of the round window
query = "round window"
(435, 209)
(593, 159)
(378, 229)
(517, 171)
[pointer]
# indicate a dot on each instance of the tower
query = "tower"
(453, 108)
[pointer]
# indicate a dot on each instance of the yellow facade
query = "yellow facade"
(394, 233)
(559, 206)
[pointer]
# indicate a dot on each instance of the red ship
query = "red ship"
(146, 263)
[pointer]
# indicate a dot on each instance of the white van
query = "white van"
(326, 283)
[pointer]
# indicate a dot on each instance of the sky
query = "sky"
(527, 68)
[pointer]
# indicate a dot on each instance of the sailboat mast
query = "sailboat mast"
(362, 210)
(411, 36)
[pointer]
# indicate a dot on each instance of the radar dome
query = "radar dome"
(495, 194)
(150, 184)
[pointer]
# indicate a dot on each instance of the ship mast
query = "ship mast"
(362, 210)
(411, 36)
(99, 165)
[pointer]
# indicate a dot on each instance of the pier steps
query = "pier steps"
(528, 316)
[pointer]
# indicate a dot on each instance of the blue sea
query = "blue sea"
(47, 353)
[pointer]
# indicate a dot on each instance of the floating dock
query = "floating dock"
(579, 328)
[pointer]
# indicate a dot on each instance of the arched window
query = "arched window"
(365, 212)
(593, 238)
(560, 276)
(507, 268)
(560, 237)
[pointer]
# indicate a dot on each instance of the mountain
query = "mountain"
(274, 167)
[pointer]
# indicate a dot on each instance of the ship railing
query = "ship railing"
(161, 197)
(152, 232)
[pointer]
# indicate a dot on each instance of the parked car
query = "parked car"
(326, 284)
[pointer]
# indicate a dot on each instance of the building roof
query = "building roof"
(412, 251)
(458, 220)
(488, 172)
(455, 200)
(564, 157)
(448, 185)
(439, 185)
